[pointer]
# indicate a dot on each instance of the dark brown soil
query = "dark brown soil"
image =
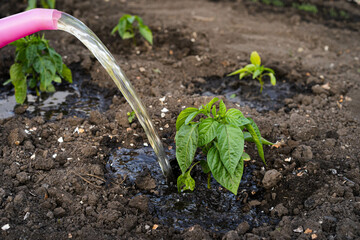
(56, 177)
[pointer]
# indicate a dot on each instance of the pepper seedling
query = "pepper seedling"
(131, 115)
(257, 71)
(221, 135)
(127, 28)
(36, 65)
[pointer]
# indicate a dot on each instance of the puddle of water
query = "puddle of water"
(247, 92)
(71, 100)
(214, 208)
(7, 104)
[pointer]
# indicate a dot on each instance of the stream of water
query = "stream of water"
(74, 26)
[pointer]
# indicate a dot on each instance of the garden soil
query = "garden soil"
(54, 179)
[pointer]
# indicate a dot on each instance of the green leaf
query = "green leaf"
(125, 28)
(127, 35)
(16, 74)
(241, 70)
(115, 29)
(32, 82)
(31, 5)
(250, 67)
(222, 108)
(21, 55)
(185, 182)
(46, 78)
(39, 64)
(186, 143)
(207, 131)
(66, 74)
(139, 19)
(191, 117)
(56, 59)
(146, 33)
(20, 90)
(50, 88)
(130, 19)
(272, 79)
(19, 44)
(255, 133)
(209, 105)
(51, 3)
(31, 53)
(269, 70)
(205, 166)
(231, 145)
(232, 115)
(57, 79)
(7, 82)
(244, 74)
(44, 4)
(49, 64)
(245, 157)
(183, 115)
(255, 58)
(256, 73)
(213, 111)
(239, 122)
(220, 173)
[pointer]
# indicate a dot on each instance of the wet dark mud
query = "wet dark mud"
(215, 208)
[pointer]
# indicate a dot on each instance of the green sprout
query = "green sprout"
(221, 136)
(36, 65)
(127, 28)
(44, 3)
(257, 71)
(131, 116)
(307, 7)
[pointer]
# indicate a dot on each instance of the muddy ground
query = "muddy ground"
(58, 165)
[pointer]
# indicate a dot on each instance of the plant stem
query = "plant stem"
(261, 84)
(208, 180)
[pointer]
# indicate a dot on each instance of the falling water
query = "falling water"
(72, 25)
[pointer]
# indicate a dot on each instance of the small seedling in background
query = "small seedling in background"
(257, 71)
(221, 135)
(307, 7)
(127, 28)
(131, 116)
(36, 65)
(44, 3)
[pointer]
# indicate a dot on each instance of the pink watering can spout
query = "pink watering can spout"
(23, 24)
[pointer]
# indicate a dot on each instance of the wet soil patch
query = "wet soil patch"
(216, 208)
(77, 99)
(246, 92)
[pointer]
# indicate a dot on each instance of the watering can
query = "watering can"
(20, 25)
(23, 24)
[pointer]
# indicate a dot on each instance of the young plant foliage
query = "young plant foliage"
(256, 70)
(127, 28)
(131, 116)
(37, 65)
(221, 135)
(44, 3)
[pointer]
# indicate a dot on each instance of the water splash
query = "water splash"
(74, 26)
